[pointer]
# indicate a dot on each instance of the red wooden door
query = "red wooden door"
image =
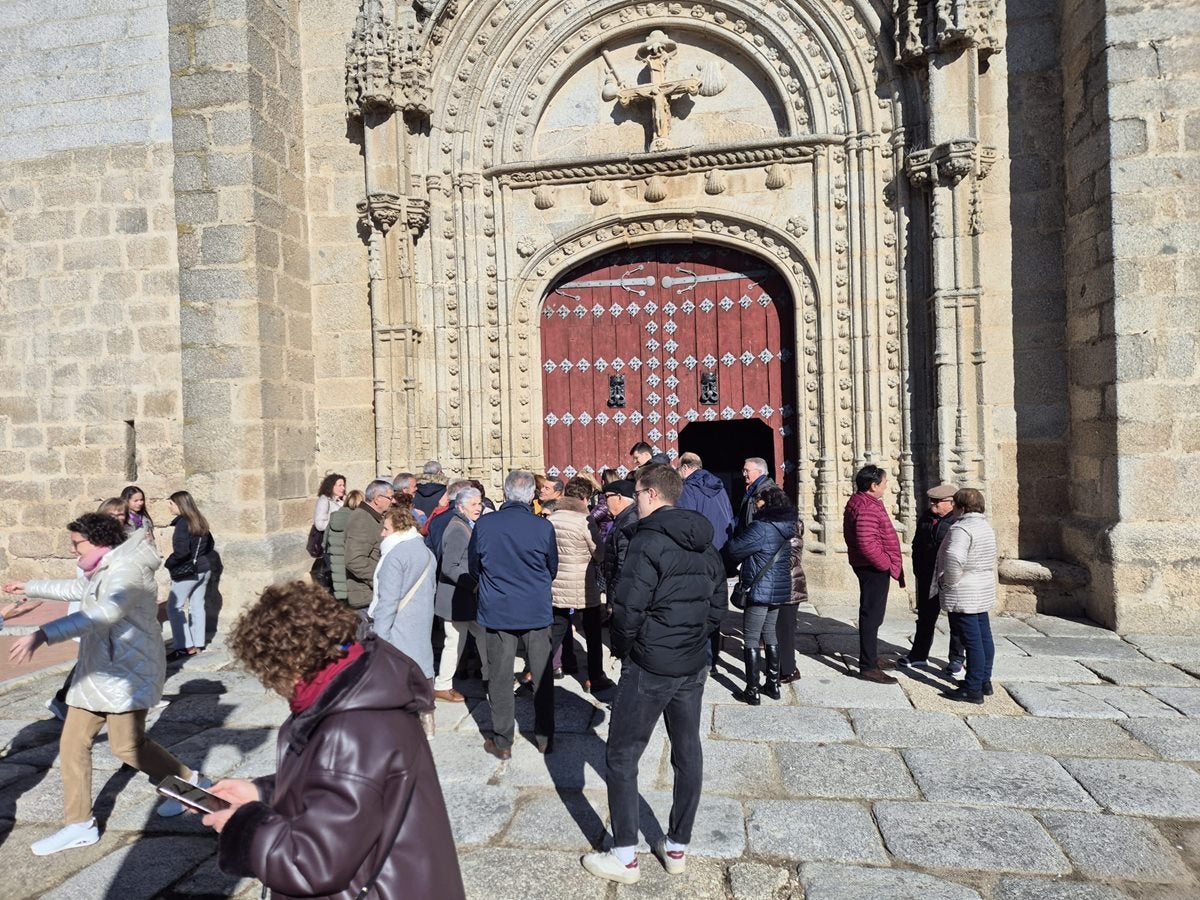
(661, 319)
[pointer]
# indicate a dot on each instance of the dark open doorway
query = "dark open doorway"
(724, 446)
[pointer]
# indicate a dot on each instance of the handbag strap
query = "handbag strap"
(770, 562)
(412, 591)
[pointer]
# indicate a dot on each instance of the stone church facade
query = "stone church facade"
(249, 242)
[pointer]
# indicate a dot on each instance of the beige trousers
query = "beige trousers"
(128, 741)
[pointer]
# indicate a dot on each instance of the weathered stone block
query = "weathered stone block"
(843, 772)
(939, 836)
(1116, 847)
(823, 881)
(799, 724)
(1057, 737)
(912, 728)
(986, 778)
(1179, 739)
(814, 830)
(1137, 787)
(1048, 889)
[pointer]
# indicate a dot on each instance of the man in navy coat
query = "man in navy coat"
(513, 556)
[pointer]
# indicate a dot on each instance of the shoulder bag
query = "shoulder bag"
(741, 593)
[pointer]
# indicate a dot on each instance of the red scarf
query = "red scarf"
(307, 692)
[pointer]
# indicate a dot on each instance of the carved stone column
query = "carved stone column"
(949, 40)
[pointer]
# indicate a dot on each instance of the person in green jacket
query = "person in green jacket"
(335, 544)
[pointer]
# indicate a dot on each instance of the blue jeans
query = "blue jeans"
(188, 626)
(641, 698)
(974, 630)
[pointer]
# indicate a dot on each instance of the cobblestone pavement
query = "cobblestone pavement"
(1078, 780)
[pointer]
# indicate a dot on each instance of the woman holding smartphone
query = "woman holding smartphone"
(355, 806)
(119, 675)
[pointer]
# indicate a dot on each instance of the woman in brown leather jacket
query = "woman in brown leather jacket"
(356, 802)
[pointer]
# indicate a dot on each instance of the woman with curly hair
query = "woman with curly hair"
(120, 671)
(355, 808)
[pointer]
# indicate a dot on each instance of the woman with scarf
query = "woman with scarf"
(764, 548)
(355, 808)
(120, 671)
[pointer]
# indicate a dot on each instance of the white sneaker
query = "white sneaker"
(58, 708)
(607, 866)
(674, 861)
(80, 834)
(171, 807)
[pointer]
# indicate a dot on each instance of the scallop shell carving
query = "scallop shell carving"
(714, 182)
(656, 189)
(598, 193)
(776, 177)
(543, 197)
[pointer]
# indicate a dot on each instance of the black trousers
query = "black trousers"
(642, 698)
(785, 630)
(928, 610)
(591, 620)
(872, 604)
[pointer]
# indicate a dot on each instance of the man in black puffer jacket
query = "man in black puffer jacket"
(670, 595)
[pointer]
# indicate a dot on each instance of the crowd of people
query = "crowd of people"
(419, 582)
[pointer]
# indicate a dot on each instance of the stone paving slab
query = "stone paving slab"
(1140, 673)
(1168, 648)
(1116, 847)
(1077, 647)
(823, 881)
(843, 771)
(1063, 626)
(912, 728)
(1058, 737)
(1061, 701)
(478, 812)
(846, 645)
(848, 692)
(1184, 699)
(1054, 889)
(757, 881)
(703, 880)
(805, 830)
(939, 836)
(576, 764)
(806, 725)
(217, 752)
(928, 697)
(18, 734)
(811, 622)
(499, 873)
(1004, 626)
(14, 772)
(1178, 739)
(209, 881)
(720, 829)
(562, 820)
(737, 768)
(989, 778)
(141, 869)
(1050, 669)
(1134, 702)
(1138, 787)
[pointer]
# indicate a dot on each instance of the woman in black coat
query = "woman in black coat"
(764, 551)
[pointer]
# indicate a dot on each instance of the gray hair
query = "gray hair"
(433, 467)
(465, 496)
(519, 486)
(378, 487)
(455, 488)
(758, 462)
(404, 480)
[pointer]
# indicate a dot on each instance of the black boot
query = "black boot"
(771, 688)
(750, 693)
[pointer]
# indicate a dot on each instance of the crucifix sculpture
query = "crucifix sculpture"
(656, 52)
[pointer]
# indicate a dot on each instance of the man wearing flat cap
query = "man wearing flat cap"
(932, 526)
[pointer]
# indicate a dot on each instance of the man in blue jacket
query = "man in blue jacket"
(513, 556)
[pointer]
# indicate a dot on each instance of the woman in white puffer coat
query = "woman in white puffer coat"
(121, 666)
(964, 578)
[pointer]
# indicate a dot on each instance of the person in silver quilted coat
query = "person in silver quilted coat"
(119, 675)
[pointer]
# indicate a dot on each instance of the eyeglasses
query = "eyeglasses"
(640, 491)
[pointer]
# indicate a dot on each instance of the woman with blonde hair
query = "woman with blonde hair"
(191, 543)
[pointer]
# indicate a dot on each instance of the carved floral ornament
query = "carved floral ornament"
(924, 27)
(814, 63)
(949, 162)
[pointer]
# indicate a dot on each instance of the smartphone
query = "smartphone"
(192, 797)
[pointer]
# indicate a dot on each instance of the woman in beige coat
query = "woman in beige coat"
(576, 588)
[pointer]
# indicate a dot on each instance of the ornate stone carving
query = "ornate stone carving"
(598, 193)
(949, 162)
(380, 210)
(388, 65)
(656, 189)
(714, 182)
(776, 177)
(930, 26)
(656, 52)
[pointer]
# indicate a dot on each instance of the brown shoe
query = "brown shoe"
(450, 696)
(790, 679)
(876, 676)
(886, 665)
(490, 746)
